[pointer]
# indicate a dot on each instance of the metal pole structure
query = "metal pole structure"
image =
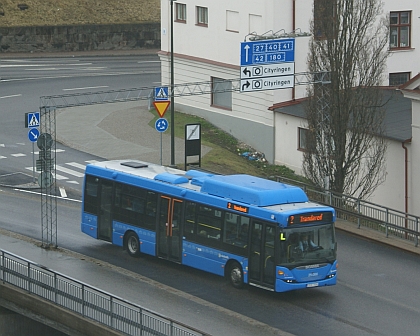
(172, 88)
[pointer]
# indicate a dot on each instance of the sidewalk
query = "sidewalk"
(118, 131)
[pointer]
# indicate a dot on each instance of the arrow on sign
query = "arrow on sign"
(246, 85)
(246, 52)
(246, 72)
(161, 107)
(34, 134)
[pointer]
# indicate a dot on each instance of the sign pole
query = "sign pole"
(172, 88)
(33, 162)
(161, 148)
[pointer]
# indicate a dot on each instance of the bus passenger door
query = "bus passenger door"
(168, 242)
(261, 264)
(105, 211)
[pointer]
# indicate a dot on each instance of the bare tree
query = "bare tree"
(345, 112)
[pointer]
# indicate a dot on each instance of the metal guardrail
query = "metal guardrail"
(364, 213)
(88, 301)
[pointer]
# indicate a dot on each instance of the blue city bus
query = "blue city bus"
(243, 227)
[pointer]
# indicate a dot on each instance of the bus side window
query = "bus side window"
(209, 220)
(189, 225)
(91, 194)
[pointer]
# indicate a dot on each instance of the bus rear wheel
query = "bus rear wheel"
(236, 275)
(132, 244)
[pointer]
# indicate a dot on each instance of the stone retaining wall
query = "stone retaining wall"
(80, 38)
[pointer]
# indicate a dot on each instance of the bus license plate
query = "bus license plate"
(315, 284)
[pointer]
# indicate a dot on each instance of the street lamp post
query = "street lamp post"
(172, 87)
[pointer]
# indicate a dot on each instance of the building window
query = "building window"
(399, 30)
(202, 16)
(255, 24)
(180, 12)
(232, 21)
(221, 93)
(302, 138)
(398, 78)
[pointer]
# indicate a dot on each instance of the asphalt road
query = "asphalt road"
(24, 80)
(376, 294)
(377, 291)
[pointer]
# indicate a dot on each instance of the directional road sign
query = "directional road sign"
(267, 51)
(267, 70)
(33, 134)
(269, 83)
(161, 125)
(161, 93)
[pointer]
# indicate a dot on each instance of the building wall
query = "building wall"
(287, 143)
(214, 51)
(392, 192)
(414, 159)
(406, 60)
(203, 52)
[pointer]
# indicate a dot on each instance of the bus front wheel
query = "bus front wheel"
(132, 244)
(236, 275)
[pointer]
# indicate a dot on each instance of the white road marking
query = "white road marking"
(38, 193)
(76, 165)
(40, 65)
(57, 151)
(3, 157)
(18, 155)
(62, 192)
(57, 177)
(91, 161)
(69, 171)
(16, 95)
(72, 182)
(86, 88)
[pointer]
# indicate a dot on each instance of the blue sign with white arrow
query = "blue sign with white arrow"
(161, 125)
(33, 134)
(267, 51)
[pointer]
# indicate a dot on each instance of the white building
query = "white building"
(206, 38)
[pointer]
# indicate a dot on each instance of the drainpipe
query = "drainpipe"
(406, 174)
(406, 181)
(293, 29)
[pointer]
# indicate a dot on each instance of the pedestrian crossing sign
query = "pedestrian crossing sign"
(161, 93)
(32, 120)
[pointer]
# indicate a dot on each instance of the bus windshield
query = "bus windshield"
(307, 245)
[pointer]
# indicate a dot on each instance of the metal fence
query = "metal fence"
(89, 302)
(364, 213)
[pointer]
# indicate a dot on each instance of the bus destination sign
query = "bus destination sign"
(312, 217)
(237, 207)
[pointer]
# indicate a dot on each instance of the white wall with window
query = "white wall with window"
(404, 38)
(210, 51)
(203, 51)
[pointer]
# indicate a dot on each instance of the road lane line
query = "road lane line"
(11, 96)
(57, 176)
(87, 88)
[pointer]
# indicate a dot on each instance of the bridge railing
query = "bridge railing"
(88, 301)
(364, 213)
